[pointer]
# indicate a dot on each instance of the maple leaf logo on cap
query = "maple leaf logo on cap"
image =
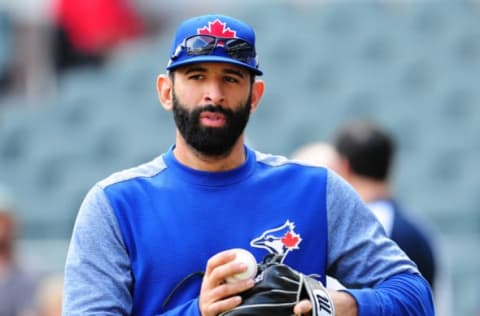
(218, 29)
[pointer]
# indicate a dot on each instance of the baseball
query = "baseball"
(247, 258)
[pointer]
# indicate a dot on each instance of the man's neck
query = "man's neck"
(371, 190)
(192, 158)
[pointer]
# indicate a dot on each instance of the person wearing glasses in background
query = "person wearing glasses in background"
(140, 231)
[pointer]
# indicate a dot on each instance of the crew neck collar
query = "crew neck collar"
(211, 178)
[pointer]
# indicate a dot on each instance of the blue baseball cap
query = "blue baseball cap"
(228, 35)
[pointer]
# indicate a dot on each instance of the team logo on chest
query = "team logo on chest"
(279, 240)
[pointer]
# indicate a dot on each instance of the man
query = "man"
(365, 157)
(141, 231)
(17, 286)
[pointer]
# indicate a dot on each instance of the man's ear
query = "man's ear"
(258, 88)
(342, 167)
(165, 91)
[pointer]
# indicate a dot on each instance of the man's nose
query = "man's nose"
(214, 93)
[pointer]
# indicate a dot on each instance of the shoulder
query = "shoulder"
(337, 186)
(145, 170)
(296, 171)
(282, 161)
(269, 159)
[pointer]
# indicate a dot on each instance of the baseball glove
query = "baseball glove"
(278, 288)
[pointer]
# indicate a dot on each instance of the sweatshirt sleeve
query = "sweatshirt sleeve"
(403, 294)
(98, 277)
(381, 277)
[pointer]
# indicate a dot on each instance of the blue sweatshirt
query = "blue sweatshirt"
(140, 231)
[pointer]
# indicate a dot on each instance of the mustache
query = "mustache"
(213, 108)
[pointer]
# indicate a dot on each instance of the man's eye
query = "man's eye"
(231, 79)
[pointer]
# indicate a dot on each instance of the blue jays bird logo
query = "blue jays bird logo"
(279, 240)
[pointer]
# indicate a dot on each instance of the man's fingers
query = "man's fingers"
(303, 307)
(221, 306)
(226, 290)
(216, 295)
(219, 259)
(221, 266)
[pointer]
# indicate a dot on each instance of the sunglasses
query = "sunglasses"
(197, 45)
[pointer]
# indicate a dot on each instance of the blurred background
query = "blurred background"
(78, 102)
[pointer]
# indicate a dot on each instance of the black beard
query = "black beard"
(211, 141)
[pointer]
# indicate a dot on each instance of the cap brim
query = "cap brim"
(213, 58)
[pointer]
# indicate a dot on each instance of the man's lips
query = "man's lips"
(212, 119)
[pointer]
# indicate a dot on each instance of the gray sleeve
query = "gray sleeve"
(98, 277)
(359, 252)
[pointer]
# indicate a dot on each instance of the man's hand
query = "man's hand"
(345, 305)
(216, 295)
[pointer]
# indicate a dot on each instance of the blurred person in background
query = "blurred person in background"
(366, 155)
(86, 32)
(318, 154)
(17, 286)
(326, 155)
(49, 296)
(24, 39)
(477, 305)
(6, 60)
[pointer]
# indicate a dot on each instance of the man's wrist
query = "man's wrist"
(345, 304)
